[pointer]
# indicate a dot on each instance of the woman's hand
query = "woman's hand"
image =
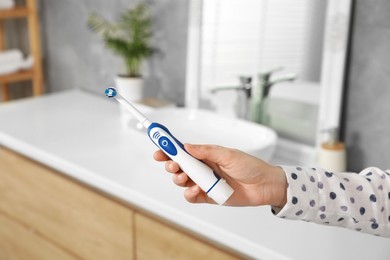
(254, 181)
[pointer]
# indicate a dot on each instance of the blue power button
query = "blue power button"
(167, 145)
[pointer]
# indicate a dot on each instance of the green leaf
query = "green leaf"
(129, 37)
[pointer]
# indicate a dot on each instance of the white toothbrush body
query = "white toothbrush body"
(215, 187)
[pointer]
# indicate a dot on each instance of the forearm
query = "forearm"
(357, 201)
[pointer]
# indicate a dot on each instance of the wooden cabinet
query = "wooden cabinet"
(76, 220)
(155, 240)
(29, 12)
(18, 241)
(45, 215)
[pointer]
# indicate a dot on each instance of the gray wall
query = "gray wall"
(367, 107)
(74, 57)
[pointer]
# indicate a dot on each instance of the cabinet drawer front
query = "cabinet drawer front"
(158, 241)
(76, 218)
(18, 242)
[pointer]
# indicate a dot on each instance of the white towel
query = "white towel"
(12, 61)
(11, 55)
(7, 4)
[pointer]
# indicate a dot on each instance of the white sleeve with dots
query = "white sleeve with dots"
(356, 201)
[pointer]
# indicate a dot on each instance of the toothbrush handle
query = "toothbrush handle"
(215, 187)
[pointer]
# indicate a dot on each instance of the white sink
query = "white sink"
(205, 127)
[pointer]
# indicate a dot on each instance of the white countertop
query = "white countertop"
(80, 134)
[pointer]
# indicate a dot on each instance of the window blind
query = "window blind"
(244, 37)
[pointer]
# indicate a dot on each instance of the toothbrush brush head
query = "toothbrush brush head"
(111, 92)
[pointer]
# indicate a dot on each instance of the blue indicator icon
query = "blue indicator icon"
(167, 145)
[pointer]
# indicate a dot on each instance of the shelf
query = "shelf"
(17, 76)
(14, 12)
(28, 12)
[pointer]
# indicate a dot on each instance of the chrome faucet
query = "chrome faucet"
(250, 97)
(266, 83)
(244, 92)
(260, 93)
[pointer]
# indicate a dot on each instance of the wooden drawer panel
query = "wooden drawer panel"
(158, 241)
(18, 242)
(78, 219)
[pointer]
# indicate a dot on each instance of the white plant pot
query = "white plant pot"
(131, 89)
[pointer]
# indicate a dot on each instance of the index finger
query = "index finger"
(160, 156)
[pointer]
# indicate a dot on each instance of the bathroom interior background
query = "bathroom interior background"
(75, 58)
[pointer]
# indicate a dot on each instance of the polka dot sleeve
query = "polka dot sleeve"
(356, 201)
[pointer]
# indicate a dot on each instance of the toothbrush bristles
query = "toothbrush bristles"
(110, 92)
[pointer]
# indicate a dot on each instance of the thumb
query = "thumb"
(213, 153)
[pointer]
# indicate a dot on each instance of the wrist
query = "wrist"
(279, 187)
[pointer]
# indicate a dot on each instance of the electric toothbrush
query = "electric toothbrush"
(215, 187)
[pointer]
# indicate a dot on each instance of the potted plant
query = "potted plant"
(129, 38)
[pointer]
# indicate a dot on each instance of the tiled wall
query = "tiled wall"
(367, 107)
(76, 58)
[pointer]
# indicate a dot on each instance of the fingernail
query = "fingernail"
(170, 166)
(195, 189)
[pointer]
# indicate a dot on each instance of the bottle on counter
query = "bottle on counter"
(332, 153)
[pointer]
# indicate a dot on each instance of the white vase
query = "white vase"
(130, 89)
